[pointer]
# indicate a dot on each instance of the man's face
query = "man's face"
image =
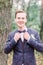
(21, 19)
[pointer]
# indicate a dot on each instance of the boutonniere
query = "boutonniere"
(32, 35)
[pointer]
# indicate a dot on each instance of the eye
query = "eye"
(18, 17)
(22, 17)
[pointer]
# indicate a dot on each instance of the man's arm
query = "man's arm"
(10, 44)
(36, 43)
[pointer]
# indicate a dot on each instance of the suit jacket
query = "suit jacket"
(23, 52)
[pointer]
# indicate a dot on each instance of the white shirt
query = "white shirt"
(21, 34)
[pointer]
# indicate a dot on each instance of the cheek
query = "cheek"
(17, 21)
(25, 20)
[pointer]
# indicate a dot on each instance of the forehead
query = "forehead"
(21, 14)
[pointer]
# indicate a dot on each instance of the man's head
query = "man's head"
(20, 18)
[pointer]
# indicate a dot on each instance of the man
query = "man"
(23, 41)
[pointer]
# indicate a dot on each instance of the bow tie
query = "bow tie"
(21, 31)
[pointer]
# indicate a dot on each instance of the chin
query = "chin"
(20, 25)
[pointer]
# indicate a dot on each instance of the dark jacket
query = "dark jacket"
(24, 51)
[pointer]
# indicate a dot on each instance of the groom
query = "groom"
(23, 41)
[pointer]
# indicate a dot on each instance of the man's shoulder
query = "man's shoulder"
(32, 30)
(12, 32)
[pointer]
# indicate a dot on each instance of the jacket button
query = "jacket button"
(22, 64)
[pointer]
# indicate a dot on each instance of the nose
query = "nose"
(21, 19)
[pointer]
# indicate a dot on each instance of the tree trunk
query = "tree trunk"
(5, 27)
(41, 19)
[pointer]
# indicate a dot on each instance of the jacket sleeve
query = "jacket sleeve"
(9, 45)
(36, 43)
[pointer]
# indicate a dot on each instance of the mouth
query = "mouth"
(21, 22)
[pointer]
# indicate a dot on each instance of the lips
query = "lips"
(20, 22)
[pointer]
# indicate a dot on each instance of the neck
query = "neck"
(22, 28)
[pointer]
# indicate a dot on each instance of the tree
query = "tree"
(5, 27)
(41, 19)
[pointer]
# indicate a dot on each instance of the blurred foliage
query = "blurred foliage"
(34, 17)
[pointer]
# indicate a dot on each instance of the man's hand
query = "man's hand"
(26, 36)
(17, 36)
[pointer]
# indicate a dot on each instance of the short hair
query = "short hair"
(19, 11)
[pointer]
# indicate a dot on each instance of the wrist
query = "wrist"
(28, 38)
